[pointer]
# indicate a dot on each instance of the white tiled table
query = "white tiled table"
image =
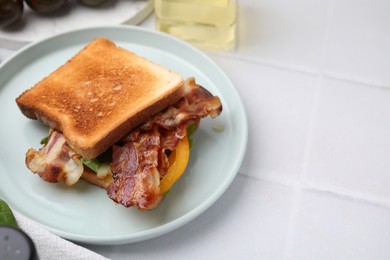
(315, 183)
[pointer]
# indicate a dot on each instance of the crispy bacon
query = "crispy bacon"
(134, 169)
(55, 161)
(140, 159)
(195, 104)
(138, 166)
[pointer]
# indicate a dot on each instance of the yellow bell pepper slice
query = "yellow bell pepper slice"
(178, 162)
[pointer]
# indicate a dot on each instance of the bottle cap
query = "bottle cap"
(16, 245)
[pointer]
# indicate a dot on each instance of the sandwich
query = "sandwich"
(116, 120)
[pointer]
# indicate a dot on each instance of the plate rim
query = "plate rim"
(193, 213)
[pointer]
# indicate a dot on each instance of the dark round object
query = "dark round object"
(46, 6)
(92, 2)
(15, 244)
(10, 11)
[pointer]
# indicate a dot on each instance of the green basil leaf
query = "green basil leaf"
(6, 216)
(44, 140)
(190, 132)
(93, 164)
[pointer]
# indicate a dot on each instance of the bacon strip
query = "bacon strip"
(55, 161)
(139, 163)
(134, 169)
(195, 104)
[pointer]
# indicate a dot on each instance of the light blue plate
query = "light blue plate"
(84, 212)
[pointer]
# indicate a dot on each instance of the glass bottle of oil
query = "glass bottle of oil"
(208, 24)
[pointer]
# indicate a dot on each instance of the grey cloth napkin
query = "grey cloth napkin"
(50, 246)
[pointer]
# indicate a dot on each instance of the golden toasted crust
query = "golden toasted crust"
(99, 95)
(91, 177)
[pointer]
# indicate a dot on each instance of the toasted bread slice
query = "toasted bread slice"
(99, 95)
(91, 177)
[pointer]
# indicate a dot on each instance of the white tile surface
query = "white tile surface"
(283, 32)
(333, 227)
(350, 147)
(314, 77)
(251, 221)
(279, 105)
(359, 40)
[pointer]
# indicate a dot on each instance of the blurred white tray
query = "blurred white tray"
(34, 27)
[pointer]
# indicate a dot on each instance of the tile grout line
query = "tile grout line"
(301, 69)
(351, 196)
(299, 189)
(312, 187)
(267, 63)
(351, 79)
